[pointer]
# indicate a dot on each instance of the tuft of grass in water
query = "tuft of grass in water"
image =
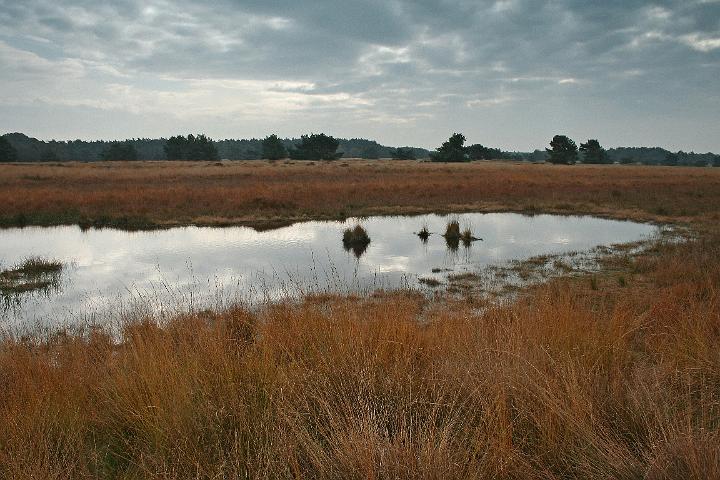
(33, 273)
(467, 237)
(356, 239)
(355, 236)
(38, 266)
(453, 235)
(430, 281)
(452, 231)
(424, 233)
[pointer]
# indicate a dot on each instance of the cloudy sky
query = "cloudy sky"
(507, 73)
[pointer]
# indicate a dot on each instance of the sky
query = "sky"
(506, 73)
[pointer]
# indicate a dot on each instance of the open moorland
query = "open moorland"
(611, 376)
(257, 193)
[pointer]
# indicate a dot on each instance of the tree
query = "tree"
(49, 156)
(7, 151)
(273, 148)
(671, 159)
(118, 151)
(480, 152)
(451, 151)
(716, 161)
(593, 152)
(403, 153)
(563, 151)
(175, 148)
(371, 152)
(193, 147)
(316, 147)
(538, 156)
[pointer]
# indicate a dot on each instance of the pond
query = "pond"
(109, 273)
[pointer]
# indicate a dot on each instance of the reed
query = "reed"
(156, 194)
(565, 382)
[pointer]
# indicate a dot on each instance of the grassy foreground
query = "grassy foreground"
(569, 382)
(579, 378)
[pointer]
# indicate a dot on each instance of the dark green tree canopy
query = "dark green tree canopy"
(119, 151)
(371, 152)
(562, 150)
(671, 159)
(480, 152)
(191, 147)
(316, 146)
(403, 153)
(273, 148)
(593, 152)
(716, 161)
(451, 151)
(7, 151)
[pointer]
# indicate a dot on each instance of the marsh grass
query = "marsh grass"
(424, 233)
(429, 281)
(32, 274)
(562, 383)
(356, 239)
(157, 194)
(452, 230)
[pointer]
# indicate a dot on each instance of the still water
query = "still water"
(111, 272)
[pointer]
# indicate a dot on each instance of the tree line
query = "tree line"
(563, 150)
(19, 147)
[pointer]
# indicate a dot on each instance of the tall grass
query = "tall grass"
(568, 382)
(146, 194)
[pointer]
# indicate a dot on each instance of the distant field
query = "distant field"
(260, 193)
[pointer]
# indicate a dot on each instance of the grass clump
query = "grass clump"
(430, 281)
(453, 235)
(452, 231)
(34, 273)
(424, 233)
(355, 236)
(38, 266)
(356, 239)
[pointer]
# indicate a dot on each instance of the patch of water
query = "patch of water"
(110, 272)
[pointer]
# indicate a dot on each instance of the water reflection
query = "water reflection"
(356, 248)
(204, 265)
(452, 242)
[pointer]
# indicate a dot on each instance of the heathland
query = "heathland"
(260, 193)
(611, 376)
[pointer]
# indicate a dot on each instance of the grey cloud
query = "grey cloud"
(418, 65)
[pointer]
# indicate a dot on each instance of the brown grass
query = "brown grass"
(262, 193)
(565, 383)
(578, 378)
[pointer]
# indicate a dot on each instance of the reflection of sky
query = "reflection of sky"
(111, 265)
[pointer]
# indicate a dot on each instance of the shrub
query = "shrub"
(316, 147)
